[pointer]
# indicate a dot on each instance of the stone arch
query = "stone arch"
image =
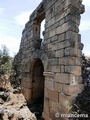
(40, 54)
(33, 63)
(37, 79)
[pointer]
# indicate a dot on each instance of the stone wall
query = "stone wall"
(58, 58)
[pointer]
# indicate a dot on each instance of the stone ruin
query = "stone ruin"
(50, 69)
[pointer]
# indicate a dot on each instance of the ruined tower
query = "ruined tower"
(50, 69)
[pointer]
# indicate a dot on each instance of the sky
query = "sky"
(15, 13)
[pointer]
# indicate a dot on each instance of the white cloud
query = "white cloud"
(42, 28)
(1, 10)
(11, 43)
(86, 3)
(23, 17)
(85, 25)
(86, 52)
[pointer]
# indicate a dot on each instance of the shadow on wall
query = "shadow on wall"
(36, 71)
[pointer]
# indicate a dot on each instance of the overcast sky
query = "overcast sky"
(15, 13)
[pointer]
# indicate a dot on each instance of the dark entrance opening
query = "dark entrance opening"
(37, 87)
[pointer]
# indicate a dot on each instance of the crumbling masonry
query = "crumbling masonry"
(50, 69)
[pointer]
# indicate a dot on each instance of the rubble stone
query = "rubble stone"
(13, 106)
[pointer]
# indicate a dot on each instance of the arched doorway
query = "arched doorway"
(37, 77)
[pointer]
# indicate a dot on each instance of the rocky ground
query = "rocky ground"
(13, 105)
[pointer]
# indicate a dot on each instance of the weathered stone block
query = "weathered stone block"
(74, 19)
(51, 54)
(54, 105)
(62, 68)
(50, 84)
(66, 101)
(51, 21)
(62, 21)
(59, 53)
(52, 95)
(61, 37)
(46, 106)
(66, 44)
(72, 52)
(54, 46)
(66, 78)
(54, 61)
(76, 70)
(72, 89)
(71, 35)
(70, 61)
(64, 61)
(52, 33)
(61, 45)
(62, 78)
(60, 15)
(75, 3)
(54, 38)
(66, 27)
(79, 79)
(58, 3)
(58, 87)
(55, 69)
